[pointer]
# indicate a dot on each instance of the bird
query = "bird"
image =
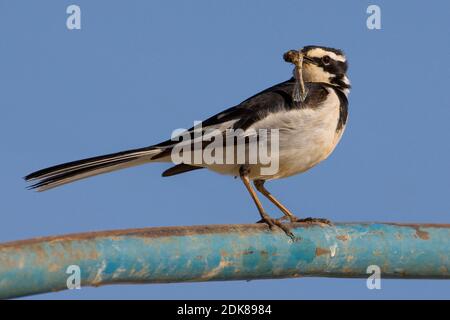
(307, 133)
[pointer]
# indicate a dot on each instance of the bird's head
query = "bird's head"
(326, 65)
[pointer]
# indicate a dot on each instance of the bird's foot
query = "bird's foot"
(271, 222)
(310, 220)
(280, 219)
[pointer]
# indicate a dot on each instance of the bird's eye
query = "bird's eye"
(326, 60)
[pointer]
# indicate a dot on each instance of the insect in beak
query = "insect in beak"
(297, 57)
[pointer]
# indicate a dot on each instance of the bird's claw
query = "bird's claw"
(283, 218)
(271, 222)
(293, 219)
(310, 220)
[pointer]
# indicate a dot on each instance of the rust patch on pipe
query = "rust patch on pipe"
(347, 270)
(321, 251)
(421, 225)
(343, 237)
(422, 234)
(223, 253)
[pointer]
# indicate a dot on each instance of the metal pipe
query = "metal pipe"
(225, 252)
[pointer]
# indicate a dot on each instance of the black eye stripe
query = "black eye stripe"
(317, 60)
(334, 67)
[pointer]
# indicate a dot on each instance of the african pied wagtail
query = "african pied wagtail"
(308, 131)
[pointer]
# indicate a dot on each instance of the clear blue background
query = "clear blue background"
(139, 69)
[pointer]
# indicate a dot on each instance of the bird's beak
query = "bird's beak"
(306, 58)
(293, 56)
(309, 60)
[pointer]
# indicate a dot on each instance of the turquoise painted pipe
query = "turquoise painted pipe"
(224, 252)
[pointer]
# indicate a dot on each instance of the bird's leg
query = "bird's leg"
(243, 173)
(259, 185)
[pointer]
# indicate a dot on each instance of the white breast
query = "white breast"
(307, 136)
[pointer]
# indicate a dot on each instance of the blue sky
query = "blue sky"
(139, 69)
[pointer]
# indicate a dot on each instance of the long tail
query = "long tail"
(68, 172)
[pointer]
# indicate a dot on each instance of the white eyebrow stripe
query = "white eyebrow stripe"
(319, 53)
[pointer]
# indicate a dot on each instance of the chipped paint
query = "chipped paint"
(333, 249)
(215, 271)
(343, 237)
(98, 277)
(322, 251)
(422, 234)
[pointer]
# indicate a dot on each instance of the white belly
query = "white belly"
(306, 137)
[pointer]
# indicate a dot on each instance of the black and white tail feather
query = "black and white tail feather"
(71, 171)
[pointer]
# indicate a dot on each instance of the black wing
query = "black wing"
(273, 99)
